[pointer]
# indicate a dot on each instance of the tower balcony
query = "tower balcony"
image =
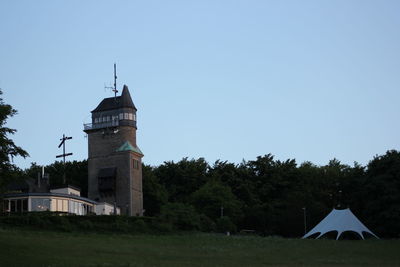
(100, 125)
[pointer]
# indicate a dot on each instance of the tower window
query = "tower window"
(126, 116)
(96, 120)
(121, 116)
(130, 116)
(134, 117)
(136, 164)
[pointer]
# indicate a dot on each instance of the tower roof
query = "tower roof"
(122, 101)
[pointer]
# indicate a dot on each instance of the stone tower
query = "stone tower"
(115, 160)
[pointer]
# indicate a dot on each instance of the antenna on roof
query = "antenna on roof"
(115, 80)
(114, 89)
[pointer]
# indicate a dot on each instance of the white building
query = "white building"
(67, 199)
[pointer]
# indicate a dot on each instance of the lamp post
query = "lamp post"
(305, 220)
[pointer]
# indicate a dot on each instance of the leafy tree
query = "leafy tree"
(311, 181)
(380, 196)
(154, 194)
(182, 178)
(213, 196)
(237, 177)
(76, 173)
(255, 217)
(8, 149)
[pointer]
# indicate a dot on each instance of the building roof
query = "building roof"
(127, 146)
(18, 195)
(122, 101)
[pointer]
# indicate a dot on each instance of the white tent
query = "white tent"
(340, 221)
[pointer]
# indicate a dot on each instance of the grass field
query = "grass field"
(29, 248)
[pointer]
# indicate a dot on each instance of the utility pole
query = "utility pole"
(63, 155)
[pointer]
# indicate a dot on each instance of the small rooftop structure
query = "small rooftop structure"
(68, 190)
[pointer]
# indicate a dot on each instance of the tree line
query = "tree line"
(273, 196)
(264, 195)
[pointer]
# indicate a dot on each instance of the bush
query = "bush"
(61, 223)
(85, 225)
(66, 222)
(162, 227)
(36, 220)
(121, 224)
(181, 216)
(139, 226)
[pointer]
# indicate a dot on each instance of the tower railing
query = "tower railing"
(93, 126)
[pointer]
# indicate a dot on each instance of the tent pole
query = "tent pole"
(305, 220)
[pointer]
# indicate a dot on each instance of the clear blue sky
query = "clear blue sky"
(230, 80)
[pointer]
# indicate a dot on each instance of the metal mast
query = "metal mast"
(63, 155)
(115, 81)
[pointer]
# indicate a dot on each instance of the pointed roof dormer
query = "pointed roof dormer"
(126, 100)
(123, 101)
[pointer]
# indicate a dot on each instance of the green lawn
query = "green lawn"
(30, 248)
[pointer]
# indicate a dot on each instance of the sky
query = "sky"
(229, 80)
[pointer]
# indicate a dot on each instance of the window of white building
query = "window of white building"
(40, 204)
